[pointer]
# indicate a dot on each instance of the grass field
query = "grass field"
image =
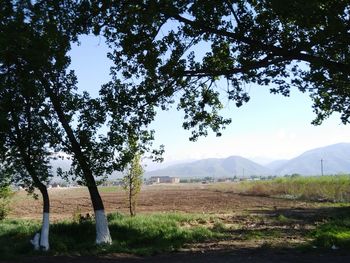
(282, 213)
(320, 188)
(144, 234)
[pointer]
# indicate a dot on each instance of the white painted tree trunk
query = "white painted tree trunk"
(41, 240)
(44, 237)
(102, 231)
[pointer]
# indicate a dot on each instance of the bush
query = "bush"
(4, 209)
(5, 194)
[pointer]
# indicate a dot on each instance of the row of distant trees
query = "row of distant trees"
(158, 59)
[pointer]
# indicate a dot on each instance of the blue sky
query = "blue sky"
(268, 127)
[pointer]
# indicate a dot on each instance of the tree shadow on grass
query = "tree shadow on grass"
(144, 235)
(155, 236)
(15, 236)
(155, 241)
(324, 227)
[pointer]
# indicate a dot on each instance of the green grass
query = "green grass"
(143, 235)
(283, 219)
(262, 234)
(15, 236)
(159, 232)
(109, 189)
(335, 232)
(316, 188)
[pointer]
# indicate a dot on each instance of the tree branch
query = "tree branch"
(206, 72)
(230, 5)
(288, 54)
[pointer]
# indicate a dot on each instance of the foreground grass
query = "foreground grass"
(334, 233)
(156, 233)
(319, 188)
(144, 235)
(15, 236)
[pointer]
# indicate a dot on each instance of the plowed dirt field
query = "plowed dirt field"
(191, 198)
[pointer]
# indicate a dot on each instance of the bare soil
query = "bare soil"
(261, 229)
(189, 198)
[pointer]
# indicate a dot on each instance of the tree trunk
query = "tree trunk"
(130, 198)
(44, 235)
(41, 241)
(103, 235)
(102, 230)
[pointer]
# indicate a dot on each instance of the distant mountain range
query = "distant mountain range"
(335, 159)
(214, 167)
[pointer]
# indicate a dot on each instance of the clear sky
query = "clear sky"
(268, 127)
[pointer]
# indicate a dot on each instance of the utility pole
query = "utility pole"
(322, 167)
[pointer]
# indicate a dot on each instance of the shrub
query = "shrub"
(5, 194)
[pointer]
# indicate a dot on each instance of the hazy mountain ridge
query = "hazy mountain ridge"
(335, 159)
(214, 167)
(276, 164)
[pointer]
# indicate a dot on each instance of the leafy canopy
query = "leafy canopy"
(186, 49)
(41, 109)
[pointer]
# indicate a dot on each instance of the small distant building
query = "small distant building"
(55, 185)
(164, 180)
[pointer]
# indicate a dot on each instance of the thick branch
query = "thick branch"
(207, 72)
(292, 54)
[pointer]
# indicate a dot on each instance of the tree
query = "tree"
(42, 33)
(25, 154)
(28, 136)
(189, 47)
(132, 182)
(39, 50)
